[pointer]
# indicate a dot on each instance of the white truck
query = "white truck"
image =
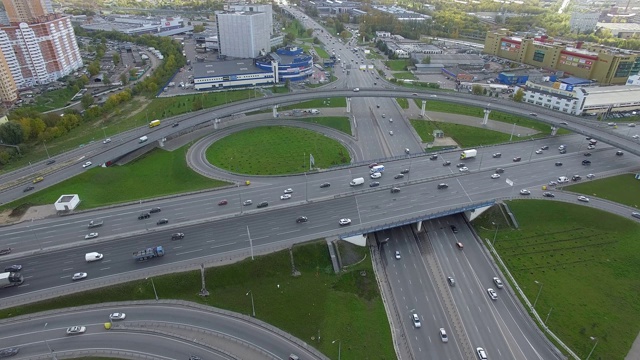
(468, 154)
(314, 111)
(377, 168)
(9, 279)
(143, 139)
(95, 223)
(357, 181)
(93, 256)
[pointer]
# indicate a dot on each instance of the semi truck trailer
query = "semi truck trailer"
(149, 253)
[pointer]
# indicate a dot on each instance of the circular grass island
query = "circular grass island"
(276, 150)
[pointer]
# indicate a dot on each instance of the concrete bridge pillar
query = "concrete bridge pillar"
(419, 226)
(348, 104)
(487, 111)
(275, 111)
(422, 109)
(554, 130)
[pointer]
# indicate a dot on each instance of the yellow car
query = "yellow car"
(38, 179)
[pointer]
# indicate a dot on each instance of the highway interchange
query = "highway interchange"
(500, 327)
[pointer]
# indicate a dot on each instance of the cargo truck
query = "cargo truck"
(154, 123)
(468, 154)
(357, 181)
(9, 279)
(149, 253)
(143, 139)
(95, 224)
(377, 168)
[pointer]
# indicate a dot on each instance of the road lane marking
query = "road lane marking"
(107, 268)
(67, 269)
(189, 252)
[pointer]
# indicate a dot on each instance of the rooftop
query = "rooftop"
(229, 67)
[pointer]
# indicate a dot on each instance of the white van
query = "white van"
(93, 256)
(563, 179)
(143, 139)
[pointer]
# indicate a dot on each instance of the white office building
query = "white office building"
(583, 22)
(243, 34)
(267, 9)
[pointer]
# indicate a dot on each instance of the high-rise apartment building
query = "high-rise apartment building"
(267, 9)
(26, 10)
(243, 34)
(37, 53)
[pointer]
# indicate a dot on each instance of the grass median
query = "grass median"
(580, 263)
(340, 123)
(276, 150)
(615, 188)
(315, 304)
(155, 174)
(465, 136)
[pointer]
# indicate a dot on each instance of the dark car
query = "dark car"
(442, 186)
(576, 177)
(517, 159)
(177, 236)
(325, 185)
(263, 204)
(223, 202)
(13, 268)
(399, 176)
(144, 216)
(499, 170)
(51, 162)
(461, 165)
(155, 210)
(586, 162)
(454, 229)
(28, 188)
(558, 163)
(162, 221)
(175, 125)
(619, 153)
(497, 155)
(395, 190)
(301, 219)
(405, 171)
(8, 352)
(548, 194)
(563, 151)
(374, 184)
(372, 165)
(446, 163)
(587, 154)
(544, 147)
(433, 157)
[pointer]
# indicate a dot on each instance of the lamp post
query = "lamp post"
(53, 356)
(496, 233)
(45, 149)
(512, 131)
(539, 291)
(339, 347)
(104, 133)
(594, 347)
(253, 308)
(154, 288)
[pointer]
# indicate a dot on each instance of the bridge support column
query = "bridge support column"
(422, 109)
(554, 130)
(419, 226)
(348, 104)
(275, 111)
(487, 111)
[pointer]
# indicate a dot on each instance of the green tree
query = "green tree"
(426, 60)
(124, 79)
(519, 95)
(116, 59)
(11, 133)
(94, 68)
(87, 100)
(476, 89)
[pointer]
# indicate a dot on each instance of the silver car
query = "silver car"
(117, 316)
(79, 276)
(247, 203)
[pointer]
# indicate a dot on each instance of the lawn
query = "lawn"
(52, 100)
(317, 103)
(461, 109)
(403, 102)
(287, 151)
(155, 174)
(340, 123)
(622, 189)
(465, 136)
(587, 260)
(405, 75)
(346, 306)
(321, 52)
(397, 65)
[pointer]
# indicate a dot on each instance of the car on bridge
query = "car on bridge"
(548, 194)
(87, 164)
(117, 316)
(13, 268)
(454, 229)
(587, 154)
(374, 184)
(525, 192)
(28, 188)
(344, 221)
(76, 330)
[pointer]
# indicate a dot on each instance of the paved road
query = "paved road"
(146, 329)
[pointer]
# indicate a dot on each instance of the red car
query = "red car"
(372, 165)
(223, 202)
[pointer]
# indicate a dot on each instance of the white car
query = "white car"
(433, 96)
(591, 176)
(464, 168)
(117, 316)
(74, 330)
(285, 197)
(344, 221)
(376, 175)
(583, 198)
(525, 192)
(91, 236)
(495, 176)
(79, 276)
(482, 355)
(391, 132)
(498, 282)
(391, 120)
(636, 136)
(443, 335)
(538, 151)
(492, 294)
(87, 164)
(288, 191)
(247, 203)
(106, 141)
(591, 147)
(416, 321)
(398, 255)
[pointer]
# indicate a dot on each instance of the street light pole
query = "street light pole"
(495, 234)
(253, 308)
(45, 149)
(105, 134)
(549, 314)
(539, 291)
(53, 356)
(154, 288)
(594, 347)
(339, 347)
(250, 242)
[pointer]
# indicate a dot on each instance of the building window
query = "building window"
(538, 56)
